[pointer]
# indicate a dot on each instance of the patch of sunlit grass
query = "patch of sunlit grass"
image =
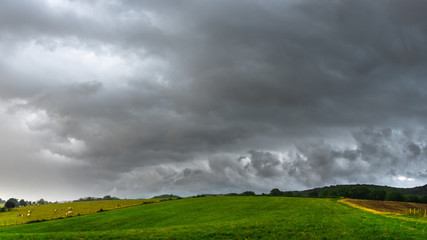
(47, 212)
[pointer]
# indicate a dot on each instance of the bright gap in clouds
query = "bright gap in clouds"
(71, 7)
(405, 179)
(66, 61)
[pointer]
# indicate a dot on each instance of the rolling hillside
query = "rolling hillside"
(227, 218)
(417, 191)
(46, 212)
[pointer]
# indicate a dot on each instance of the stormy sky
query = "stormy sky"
(139, 98)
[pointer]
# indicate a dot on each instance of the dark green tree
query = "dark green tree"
(288, 194)
(313, 194)
(359, 192)
(394, 196)
(412, 198)
(248, 193)
(12, 203)
(22, 203)
(324, 193)
(276, 192)
(377, 194)
(333, 193)
(41, 202)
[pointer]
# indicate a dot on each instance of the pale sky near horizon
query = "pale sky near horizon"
(140, 98)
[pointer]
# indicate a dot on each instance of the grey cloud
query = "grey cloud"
(130, 85)
(423, 173)
(265, 163)
(85, 89)
(378, 153)
(311, 164)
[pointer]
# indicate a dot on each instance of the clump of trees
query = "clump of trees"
(86, 199)
(246, 193)
(166, 196)
(11, 203)
(14, 203)
(275, 192)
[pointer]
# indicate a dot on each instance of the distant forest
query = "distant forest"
(357, 191)
(360, 191)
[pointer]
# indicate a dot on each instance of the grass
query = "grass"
(416, 212)
(47, 212)
(227, 218)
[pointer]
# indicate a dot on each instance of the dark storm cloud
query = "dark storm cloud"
(375, 157)
(178, 90)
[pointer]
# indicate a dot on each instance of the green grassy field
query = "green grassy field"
(56, 211)
(228, 218)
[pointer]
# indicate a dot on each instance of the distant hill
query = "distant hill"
(417, 191)
(166, 196)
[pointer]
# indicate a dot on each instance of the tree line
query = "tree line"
(345, 191)
(356, 192)
(14, 203)
(86, 199)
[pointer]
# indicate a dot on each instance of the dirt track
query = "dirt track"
(386, 206)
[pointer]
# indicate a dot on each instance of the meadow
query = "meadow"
(36, 213)
(228, 218)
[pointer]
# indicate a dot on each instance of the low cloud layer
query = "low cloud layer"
(135, 98)
(381, 156)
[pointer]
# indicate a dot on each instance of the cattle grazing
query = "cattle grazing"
(69, 213)
(29, 211)
(29, 214)
(70, 209)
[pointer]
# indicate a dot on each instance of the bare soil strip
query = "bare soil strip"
(383, 206)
